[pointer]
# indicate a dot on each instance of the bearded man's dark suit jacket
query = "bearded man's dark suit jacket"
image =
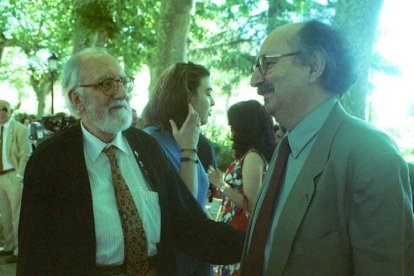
(56, 231)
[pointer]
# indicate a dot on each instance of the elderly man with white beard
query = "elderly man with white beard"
(102, 199)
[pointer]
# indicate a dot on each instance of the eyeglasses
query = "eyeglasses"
(110, 86)
(4, 109)
(264, 61)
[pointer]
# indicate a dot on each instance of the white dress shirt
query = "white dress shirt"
(6, 163)
(109, 236)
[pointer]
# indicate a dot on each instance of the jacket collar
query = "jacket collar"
(303, 190)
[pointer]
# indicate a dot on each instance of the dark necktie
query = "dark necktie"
(135, 242)
(254, 259)
(1, 148)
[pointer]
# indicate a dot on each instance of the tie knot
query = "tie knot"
(284, 146)
(110, 151)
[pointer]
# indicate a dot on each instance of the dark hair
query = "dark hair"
(340, 71)
(252, 128)
(276, 127)
(172, 94)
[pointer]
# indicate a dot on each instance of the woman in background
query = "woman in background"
(182, 94)
(253, 145)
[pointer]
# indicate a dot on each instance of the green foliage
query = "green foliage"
(222, 145)
(223, 155)
(135, 40)
(224, 35)
(96, 16)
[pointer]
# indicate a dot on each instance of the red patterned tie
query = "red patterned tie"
(254, 259)
(134, 236)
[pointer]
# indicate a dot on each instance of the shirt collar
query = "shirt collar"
(309, 127)
(7, 124)
(93, 146)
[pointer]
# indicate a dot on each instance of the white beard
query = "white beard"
(107, 121)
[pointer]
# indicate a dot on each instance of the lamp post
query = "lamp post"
(53, 65)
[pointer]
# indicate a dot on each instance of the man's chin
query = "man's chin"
(269, 108)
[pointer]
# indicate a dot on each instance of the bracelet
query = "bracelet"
(185, 159)
(224, 187)
(193, 150)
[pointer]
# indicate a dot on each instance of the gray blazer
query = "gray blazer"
(350, 210)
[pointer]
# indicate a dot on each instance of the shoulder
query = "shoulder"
(143, 141)
(366, 152)
(66, 141)
(144, 137)
(362, 136)
(253, 158)
(19, 127)
(162, 137)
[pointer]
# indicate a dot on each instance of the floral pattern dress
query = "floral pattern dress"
(230, 212)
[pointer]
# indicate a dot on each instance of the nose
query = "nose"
(212, 102)
(256, 78)
(121, 92)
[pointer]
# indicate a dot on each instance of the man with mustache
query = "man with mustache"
(101, 198)
(342, 206)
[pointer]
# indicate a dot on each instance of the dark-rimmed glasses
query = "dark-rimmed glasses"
(264, 61)
(109, 86)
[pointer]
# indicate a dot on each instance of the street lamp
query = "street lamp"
(53, 66)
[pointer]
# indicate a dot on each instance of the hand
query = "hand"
(216, 177)
(187, 136)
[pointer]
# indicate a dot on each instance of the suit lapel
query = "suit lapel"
(9, 140)
(302, 192)
(141, 157)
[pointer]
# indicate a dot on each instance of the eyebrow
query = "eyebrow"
(105, 77)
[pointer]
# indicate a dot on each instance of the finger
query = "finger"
(191, 109)
(193, 112)
(174, 127)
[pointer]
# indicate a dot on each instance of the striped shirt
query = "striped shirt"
(109, 236)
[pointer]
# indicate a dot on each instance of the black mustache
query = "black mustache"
(265, 88)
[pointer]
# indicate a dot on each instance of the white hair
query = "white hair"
(72, 75)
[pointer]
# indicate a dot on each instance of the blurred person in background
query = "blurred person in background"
(253, 146)
(15, 149)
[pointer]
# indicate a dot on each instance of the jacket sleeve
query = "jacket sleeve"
(24, 148)
(185, 222)
(381, 219)
(34, 221)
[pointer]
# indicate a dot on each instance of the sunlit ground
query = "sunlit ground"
(391, 99)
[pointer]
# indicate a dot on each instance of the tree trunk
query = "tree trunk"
(172, 35)
(41, 87)
(358, 19)
(91, 28)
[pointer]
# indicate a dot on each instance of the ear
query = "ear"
(317, 66)
(76, 100)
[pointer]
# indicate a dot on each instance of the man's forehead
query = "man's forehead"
(278, 40)
(100, 66)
